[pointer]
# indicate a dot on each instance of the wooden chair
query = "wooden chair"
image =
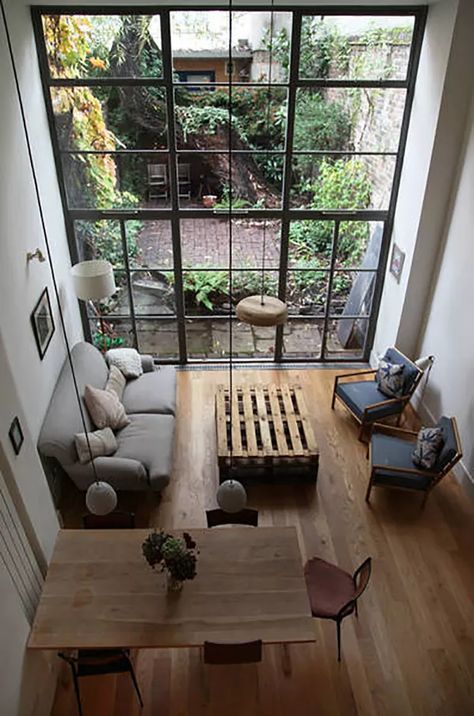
(363, 399)
(218, 517)
(333, 593)
(157, 181)
(113, 521)
(184, 181)
(391, 458)
(94, 662)
(249, 652)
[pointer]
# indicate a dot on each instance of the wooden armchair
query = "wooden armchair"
(391, 462)
(363, 398)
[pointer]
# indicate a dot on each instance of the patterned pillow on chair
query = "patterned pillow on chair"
(390, 378)
(428, 446)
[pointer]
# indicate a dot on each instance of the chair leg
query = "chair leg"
(361, 432)
(427, 492)
(369, 489)
(135, 682)
(355, 609)
(76, 690)
(333, 398)
(338, 630)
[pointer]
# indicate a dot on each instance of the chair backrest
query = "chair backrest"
(361, 577)
(412, 374)
(184, 172)
(157, 171)
(248, 652)
(450, 452)
(113, 521)
(243, 517)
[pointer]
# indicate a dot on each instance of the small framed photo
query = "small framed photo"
(396, 262)
(16, 435)
(42, 322)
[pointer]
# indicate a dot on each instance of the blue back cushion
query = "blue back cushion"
(410, 371)
(450, 448)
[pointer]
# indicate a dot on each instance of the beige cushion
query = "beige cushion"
(105, 409)
(102, 442)
(127, 360)
(116, 382)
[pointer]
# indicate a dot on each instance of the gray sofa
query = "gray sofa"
(145, 446)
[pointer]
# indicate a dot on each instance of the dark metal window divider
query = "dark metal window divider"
(123, 235)
(285, 214)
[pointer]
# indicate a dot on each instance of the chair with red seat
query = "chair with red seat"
(333, 593)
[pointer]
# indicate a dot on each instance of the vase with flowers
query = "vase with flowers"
(176, 556)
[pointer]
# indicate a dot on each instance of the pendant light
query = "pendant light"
(101, 497)
(263, 310)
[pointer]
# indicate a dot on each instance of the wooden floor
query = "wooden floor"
(411, 649)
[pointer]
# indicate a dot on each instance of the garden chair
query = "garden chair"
(391, 461)
(333, 593)
(366, 403)
(157, 181)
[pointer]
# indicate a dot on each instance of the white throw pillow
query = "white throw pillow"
(105, 408)
(127, 360)
(116, 381)
(102, 442)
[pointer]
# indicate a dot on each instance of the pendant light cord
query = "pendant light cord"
(45, 233)
(231, 401)
(267, 125)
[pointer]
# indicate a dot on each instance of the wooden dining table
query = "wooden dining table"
(100, 592)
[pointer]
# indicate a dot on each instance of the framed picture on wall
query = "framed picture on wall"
(16, 435)
(396, 262)
(42, 322)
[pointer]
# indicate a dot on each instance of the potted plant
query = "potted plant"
(209, 201)
(176, 556)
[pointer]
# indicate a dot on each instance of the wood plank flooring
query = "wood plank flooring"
(411, 651)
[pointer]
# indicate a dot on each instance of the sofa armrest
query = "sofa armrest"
(148, 363)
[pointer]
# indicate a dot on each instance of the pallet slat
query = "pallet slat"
(263, 421)
(291, 420)
(283, 447)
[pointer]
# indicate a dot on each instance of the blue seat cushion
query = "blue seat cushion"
(361, 393)
(388, 451)
(410, 371)
(450, 447)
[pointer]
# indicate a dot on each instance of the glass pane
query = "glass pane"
(346, 338)
(205, 242)
(306, 292)
(302, 338)
(310, 243)
(153, 293)
(200, 46)
(115, 181)
(209, 338)
(359, 244)
(258, 118)
(352, 293)
(81, 46)
(355, 47)
(117, 304)
(118, 333)
(99, 240)
(345, 182)
(348, 119)
(149, 244)
(110, 118)
(206, 292)
(158, 338)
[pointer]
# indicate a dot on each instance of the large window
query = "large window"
(139, 101)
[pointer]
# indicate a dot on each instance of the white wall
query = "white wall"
(448, 330)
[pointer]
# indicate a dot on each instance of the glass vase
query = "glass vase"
(173, 584)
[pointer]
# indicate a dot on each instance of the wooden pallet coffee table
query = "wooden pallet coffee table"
(271, 434)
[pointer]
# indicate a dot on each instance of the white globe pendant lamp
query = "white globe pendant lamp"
(231, 496)
(101, 498)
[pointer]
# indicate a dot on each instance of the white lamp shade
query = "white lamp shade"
(424, 362)
(93, 280)
(101, 498)
(231, 496)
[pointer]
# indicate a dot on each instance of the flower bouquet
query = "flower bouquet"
(176, 556)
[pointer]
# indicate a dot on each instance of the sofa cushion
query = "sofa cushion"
(100, 442)
(63, 418)
(153, 392)
(122, 473)
(149, 439)
(116, 381)
(105, 408)
(127, 360)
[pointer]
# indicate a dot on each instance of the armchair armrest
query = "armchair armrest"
(148, 364)
(411, 470)
(382, 404)
(410, 435)
(356, 373)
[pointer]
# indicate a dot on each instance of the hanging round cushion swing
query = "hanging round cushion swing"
(262, 311)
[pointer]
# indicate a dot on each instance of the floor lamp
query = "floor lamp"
(94, 281)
